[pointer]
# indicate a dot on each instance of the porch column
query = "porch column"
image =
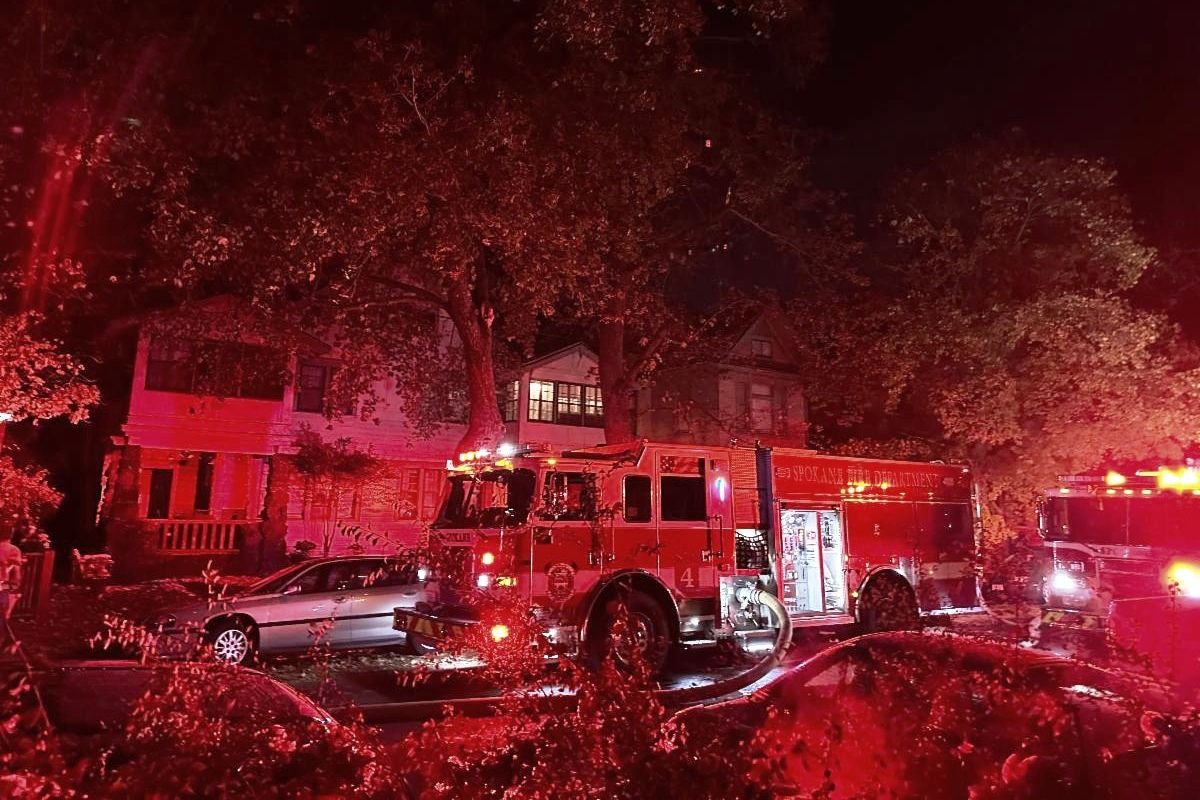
(125, 501)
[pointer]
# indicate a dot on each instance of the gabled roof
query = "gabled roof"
(554, 355)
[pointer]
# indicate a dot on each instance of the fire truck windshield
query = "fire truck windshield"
(1158, 520)
(487, 499)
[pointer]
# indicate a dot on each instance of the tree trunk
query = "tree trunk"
(473, 321)
(614, 381)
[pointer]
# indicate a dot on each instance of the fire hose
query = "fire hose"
(418, 710)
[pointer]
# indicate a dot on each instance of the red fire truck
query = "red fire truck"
(1114, 538)
(682, 535)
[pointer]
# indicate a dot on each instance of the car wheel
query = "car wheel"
(232, 642)
(640, 634)
(888, 604)
(415, 644)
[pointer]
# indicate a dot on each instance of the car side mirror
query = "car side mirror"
(293, 588)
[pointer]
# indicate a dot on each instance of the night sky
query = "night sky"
(1105, 78)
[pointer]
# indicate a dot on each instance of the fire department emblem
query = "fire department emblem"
(560, 581)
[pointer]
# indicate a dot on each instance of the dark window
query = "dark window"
(204, 482)
(224, 369)
(260, 372)
(682, 498)
(510, 401)
(637, 498)
(408, 493)
(455, 409)
(159, 506)
(169, 366)
(312, 382)
(761, 348)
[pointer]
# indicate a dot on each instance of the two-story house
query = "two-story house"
(199, 474)
(746, 385)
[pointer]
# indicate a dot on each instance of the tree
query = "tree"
(333, 472)
(994, 326)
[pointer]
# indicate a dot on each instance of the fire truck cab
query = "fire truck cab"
(681, 535)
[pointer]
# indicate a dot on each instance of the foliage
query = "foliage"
(37, 379)
(994, 327)
(25, 493)
(333, 472)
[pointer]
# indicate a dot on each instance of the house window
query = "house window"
(431, 492)
(455, 410)
(169, 366)
(312, 382)
(593, 407)
(762, 408)
(541, 401)
(568, 405)
(510, 401)
(228, 369)
(761, 348)
(409, 494)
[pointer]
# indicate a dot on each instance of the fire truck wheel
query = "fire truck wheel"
(646, 635)
(888, 604)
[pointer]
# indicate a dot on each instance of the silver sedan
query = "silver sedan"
(343, 602)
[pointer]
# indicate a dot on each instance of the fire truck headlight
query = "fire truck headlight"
(499, 633)
(487, 559)
(1064, 583)
(483, 580)
(422, 574)
(1185, 579)
(506, 450)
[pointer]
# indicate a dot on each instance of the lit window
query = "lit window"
(541, 401)
(593, 407)
(569, 404)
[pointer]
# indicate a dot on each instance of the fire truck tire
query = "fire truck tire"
(649, 632)
(888, 604)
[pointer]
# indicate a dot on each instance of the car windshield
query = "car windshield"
(275, 582)
(487, 499)
(1153, 521)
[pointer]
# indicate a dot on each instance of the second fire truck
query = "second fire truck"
(1117, 538)
(682, 535)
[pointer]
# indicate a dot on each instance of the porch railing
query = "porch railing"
(188, 536)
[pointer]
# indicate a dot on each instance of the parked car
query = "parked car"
(96, 697)
(344, 602)
(910, 714)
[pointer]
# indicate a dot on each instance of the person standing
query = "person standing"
(10, 584)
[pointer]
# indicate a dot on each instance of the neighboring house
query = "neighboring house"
(555, 400)
(194, 478)
(746, 386)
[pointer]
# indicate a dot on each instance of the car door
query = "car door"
(388, 584)
(308, 599)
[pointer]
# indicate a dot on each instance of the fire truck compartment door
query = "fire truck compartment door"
(813, 561)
